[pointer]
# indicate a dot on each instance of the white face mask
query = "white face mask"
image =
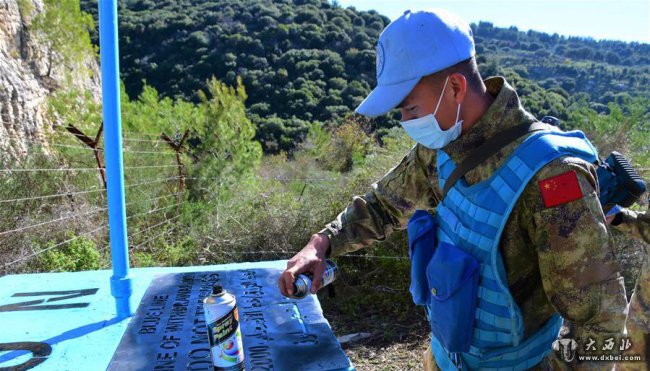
(426, 130)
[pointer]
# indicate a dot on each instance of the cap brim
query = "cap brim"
(385, 97)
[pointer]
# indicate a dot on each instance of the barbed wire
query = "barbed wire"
(103, 249)
(52, 221)
(153, 211)
(83, 169)
(86, 234)
(50, 169)
(87, 191)
(286, 253)
(276, 179)
(52, 196)
(79, 215)
(151, 199)
(136, 133)
(75, 147)
(54, 246)
(380, 257)
(124, 149)
(154, 237)
(148, 167)
(157, 141)
(127, 132)
(153, 226)
(235, 253)
(151, 182)
(149, 152)
(299, 179)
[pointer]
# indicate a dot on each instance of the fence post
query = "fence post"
(92, 144)
(177, 147)
(108, 50)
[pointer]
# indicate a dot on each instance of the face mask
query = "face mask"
(426, 130)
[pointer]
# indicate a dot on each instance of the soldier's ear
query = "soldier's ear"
(458, 83)
(574, 345)
(556, 346)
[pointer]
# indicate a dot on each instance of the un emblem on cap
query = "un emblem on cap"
(380, 59)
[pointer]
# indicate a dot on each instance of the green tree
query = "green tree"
(151, 113)
(624, 128)
(224, 152)
(64, 28)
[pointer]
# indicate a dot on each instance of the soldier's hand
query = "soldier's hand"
(310, 259)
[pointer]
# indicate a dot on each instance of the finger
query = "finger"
(289, 278)
(281, 286)
(318, 277)
(285, 283)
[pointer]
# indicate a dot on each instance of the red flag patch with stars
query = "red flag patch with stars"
(560, 189)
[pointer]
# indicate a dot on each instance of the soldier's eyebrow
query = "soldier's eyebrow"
(402, 103)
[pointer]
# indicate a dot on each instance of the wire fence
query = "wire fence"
(145, 226)
(83, 169)
(150, 218)
(146, 212)
(124, 150)
(157, 221)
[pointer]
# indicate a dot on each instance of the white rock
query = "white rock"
(353, 338)
(24, 85)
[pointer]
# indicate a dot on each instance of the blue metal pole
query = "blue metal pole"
(109, 55)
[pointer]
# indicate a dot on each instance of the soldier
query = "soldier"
(531, 236)
(637, 224)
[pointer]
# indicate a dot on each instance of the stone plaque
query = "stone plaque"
(168, 330)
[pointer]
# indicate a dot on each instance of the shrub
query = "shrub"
(77, 255)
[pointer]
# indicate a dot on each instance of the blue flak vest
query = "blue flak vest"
(466, 266)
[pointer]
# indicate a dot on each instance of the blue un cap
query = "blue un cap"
(411, 47)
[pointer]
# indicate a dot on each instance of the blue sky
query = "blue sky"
(627, 20)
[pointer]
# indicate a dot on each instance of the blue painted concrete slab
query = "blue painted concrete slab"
(67, 321)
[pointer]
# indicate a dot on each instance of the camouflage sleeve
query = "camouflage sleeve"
(635, 224)
(638, 322)
(578, 268)
(388, 205)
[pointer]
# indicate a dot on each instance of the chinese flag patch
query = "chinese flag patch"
(560, 189)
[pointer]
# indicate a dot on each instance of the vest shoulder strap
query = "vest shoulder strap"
(489, 148)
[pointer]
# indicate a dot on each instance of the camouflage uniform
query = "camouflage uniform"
(557, 259)
(637, 225)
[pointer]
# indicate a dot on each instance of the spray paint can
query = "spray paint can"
(222, 320)
(302, 284)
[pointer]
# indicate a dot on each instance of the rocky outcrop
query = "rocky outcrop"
(27, 78)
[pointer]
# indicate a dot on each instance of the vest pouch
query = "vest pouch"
(421, 231)
(453, 276)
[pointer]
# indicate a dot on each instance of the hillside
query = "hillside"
(305, 61)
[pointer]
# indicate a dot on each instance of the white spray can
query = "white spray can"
(222, 319)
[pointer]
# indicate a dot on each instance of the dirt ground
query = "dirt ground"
(388, 356)
(396, 342)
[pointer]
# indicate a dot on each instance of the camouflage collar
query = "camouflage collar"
(505, 111)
